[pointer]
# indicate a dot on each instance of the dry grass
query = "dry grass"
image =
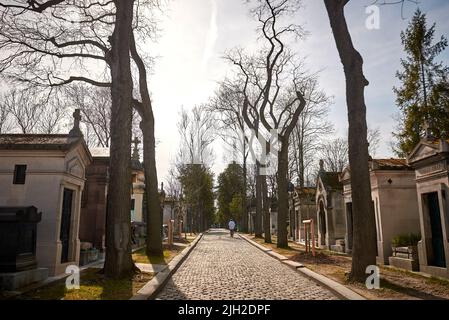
(93, 286)
(140, 256)
(395, 283)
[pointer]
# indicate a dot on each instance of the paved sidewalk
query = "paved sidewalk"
(221, 267)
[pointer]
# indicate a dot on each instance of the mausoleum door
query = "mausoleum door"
(439, 259)
(65, 224)
(322, 220)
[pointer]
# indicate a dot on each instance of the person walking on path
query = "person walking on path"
(231, 226)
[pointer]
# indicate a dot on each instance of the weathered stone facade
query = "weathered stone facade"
(94, 201)
(331, 222)
(302, 203)
(393, 192)
(94, 204)
(430, 159)
(53, 182)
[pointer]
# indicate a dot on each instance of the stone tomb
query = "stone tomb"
(94, 202)
(47, 171)
(18, 264)
(138, 180)
(330, 211)
(393, 192)
(172, 210)
(302, 201)
(430, 159)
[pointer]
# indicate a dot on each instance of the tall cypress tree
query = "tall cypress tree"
(423, 97)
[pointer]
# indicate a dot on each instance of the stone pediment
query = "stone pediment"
(320, 190)
(75, 167)
(345, 175)
(423, 150)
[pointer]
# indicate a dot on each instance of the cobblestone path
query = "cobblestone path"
(221, 267)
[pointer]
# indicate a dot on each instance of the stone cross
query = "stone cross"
(136, 142)
(76, 131)
(428, 129)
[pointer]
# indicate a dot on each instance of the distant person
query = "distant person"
(231, 226)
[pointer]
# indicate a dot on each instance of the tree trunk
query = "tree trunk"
(259, 197)
(153, 208)
(301, 166)
(118, 262)
(266, 210)
(282, 182)
(364, 232)
(244, 226)
(293, 219)
(154, 217)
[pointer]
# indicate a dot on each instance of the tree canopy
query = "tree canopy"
(230, 193)
(423, 94)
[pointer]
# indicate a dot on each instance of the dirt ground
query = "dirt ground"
(395, 284)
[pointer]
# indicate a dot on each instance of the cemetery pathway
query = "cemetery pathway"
(225, 268)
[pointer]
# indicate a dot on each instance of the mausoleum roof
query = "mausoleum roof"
(330, 180)
(38, 141)
(305, 190)
(105, 153)
(389, 164)
(99, 152)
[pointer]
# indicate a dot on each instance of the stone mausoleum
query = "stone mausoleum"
(94, 202)
(93, 205)
(302, 203)
(393, 192)
(430, 159)
(330, 210)
(47, 172)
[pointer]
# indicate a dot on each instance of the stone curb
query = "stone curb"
(155, 285)
(332, 285)
(276, 255)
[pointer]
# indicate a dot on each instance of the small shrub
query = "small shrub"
(406, 240)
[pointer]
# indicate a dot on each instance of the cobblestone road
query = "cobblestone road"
(227, 268)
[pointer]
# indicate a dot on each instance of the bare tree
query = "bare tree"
(24, 108)
(95, 105)
(273, 100)
(33, 112)
(48, 47)
(312, 128)
(193, 163)
(5, 120)
(253, 92)
(54, 112)
(364, 249)
(227, 105)
(334, 153)
(197, 132)
(373, 137)
(174, 188)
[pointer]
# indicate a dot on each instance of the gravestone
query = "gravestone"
(18, 264)
(18, 238)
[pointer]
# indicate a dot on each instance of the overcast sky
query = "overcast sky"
(196, 33)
